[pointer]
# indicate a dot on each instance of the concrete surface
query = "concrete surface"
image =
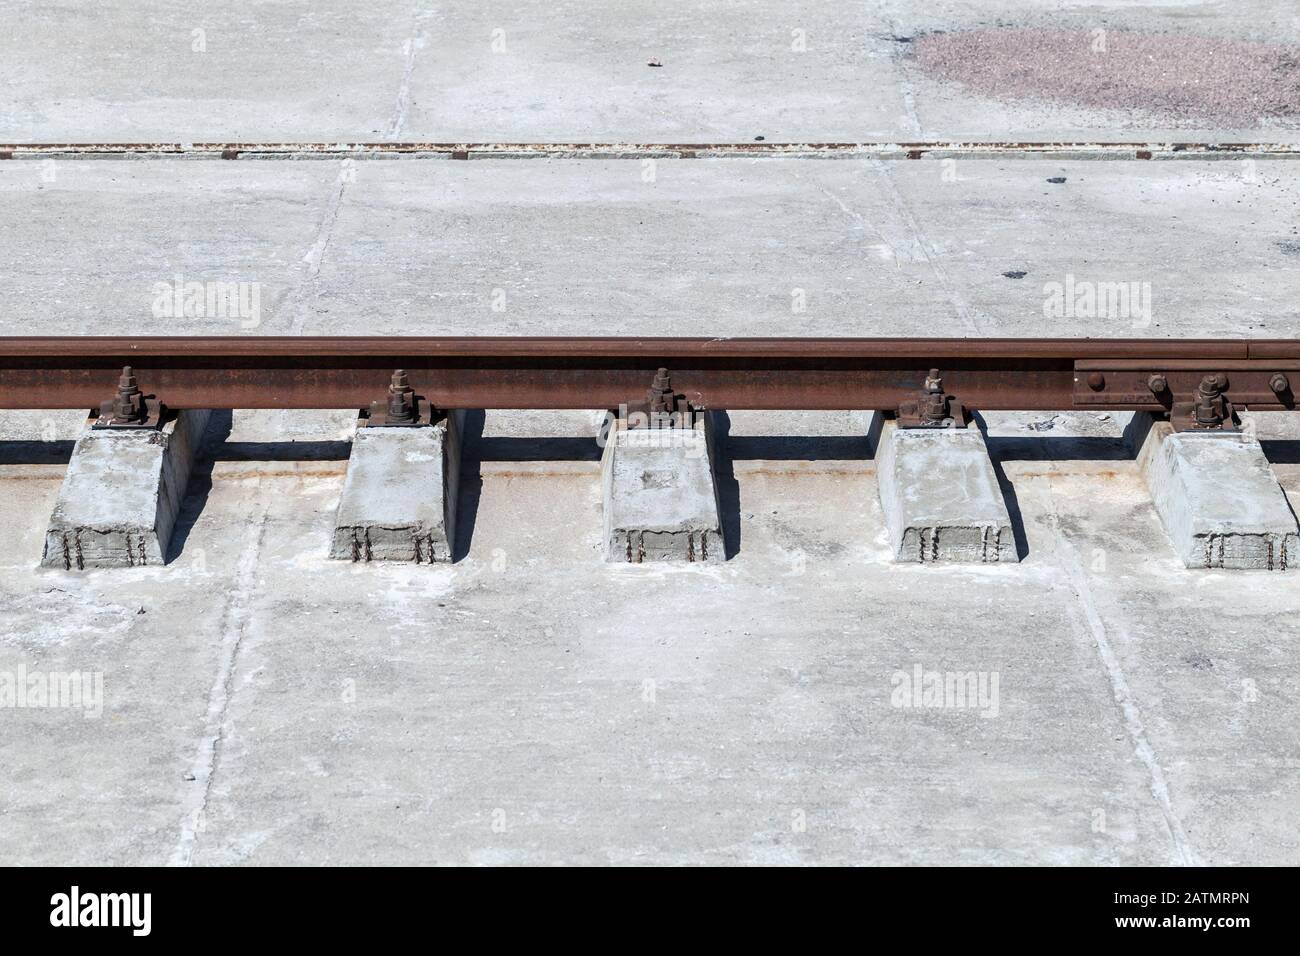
(659, 499)
(940, 497)
(121, 495)
(531, 703)
(709, 247)
(399, 497)
(1219, 500)
(574, 71)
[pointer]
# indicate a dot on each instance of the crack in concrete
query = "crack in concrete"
(414, 42)
(905, 89)
(234, 626)
(302, 295)
(1077, 578)
(919, 241)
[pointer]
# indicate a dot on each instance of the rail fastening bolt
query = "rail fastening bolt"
(401, 399)
(1096, 381)
(1158, 384)
(1279, 383)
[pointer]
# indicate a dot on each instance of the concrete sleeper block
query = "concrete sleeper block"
(660, 494)
(1218, 499)
(941, 497)
(399, 495)
(121, 495)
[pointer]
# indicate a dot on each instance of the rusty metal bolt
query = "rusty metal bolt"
(1211, 410)
(128, 407)
(1279, 383)
(401, 399)
(660, 397)
(1158, 384)
(1096, 381)
(934, 403)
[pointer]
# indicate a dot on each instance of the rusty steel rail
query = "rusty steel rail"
(720, 373)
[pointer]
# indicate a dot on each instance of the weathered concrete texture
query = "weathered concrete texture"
(868, 248)
(941, 496)
(1218, 498)
(1139, 721)
(481, 712)
(660, 495)
(121, 494)
(399, 497)
(580, 71)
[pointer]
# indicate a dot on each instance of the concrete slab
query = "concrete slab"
(486, 715)
(121, 495)
(760, 247)
(941, 497)
(469, 71)
(1220, 503)
(660, 497)
(399, 498)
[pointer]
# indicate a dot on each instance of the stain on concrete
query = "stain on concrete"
(1228, 82)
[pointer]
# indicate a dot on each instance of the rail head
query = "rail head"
(577, 347)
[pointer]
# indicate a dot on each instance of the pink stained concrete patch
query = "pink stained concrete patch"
(1227, 82)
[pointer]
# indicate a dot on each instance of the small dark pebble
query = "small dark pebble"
(654, 63)
(1056, 179)
(759, 139)
(1015, 274)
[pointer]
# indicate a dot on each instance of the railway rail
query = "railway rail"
(711, 373)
